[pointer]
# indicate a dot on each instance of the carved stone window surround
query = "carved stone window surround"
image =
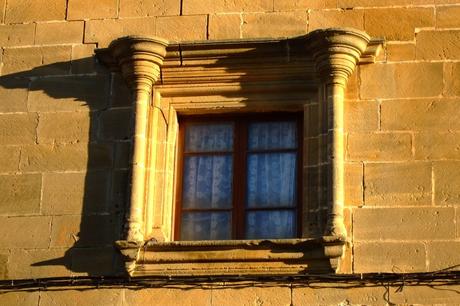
(293, 74)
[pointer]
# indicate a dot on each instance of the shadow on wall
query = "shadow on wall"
(82, 152)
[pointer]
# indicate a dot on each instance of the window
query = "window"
(239, 177)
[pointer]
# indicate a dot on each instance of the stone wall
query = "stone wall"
(65, 126)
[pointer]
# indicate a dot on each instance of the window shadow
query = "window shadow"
(82, 152)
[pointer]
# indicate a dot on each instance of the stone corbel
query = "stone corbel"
(336, 52)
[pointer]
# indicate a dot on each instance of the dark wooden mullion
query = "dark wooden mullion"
(239, 177)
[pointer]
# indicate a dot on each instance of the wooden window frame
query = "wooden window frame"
(240, 153)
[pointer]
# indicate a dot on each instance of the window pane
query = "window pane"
(207, 182)
(270, 224)
(209, 137)
(271, 180)
(206, 226)
(272, 135)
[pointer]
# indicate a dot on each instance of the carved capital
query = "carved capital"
(336, 52)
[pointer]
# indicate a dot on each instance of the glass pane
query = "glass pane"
(207, 182)
(209, 137)
(274, 224)
(206, 226)
(272, 135)
(271, 180)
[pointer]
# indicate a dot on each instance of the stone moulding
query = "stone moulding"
(237, 75)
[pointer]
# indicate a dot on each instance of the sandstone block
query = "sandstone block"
(402, 80)
(379, 146)
(120, 93)
(85, 9)
(182, 27)
(437, 145)
(289, 5)
(400, 23)
(19, 11)
(191, 7)
(103, 32)
(336, 18)
(122, 155)
(243, 296)
(55, 127)
(31, 263)
(18, 129)
(438, 45)
(398, 223)
(224, 26)
(400, 52)
(361, 116)
(379, 3)
(151, 8)
(73, 93)
(9, 158)
(79, 297)
(95, 261)
(352, 89)
(115, 124)
(353, 184)
(451, 79)
(168, 297)
(447, 16)
(274, 24)
(396, 184)
(446, 182)
(83, 60)
(70, 157)
(13, 95)
(36, 61)
(25, 232)
(399, 257)
(17, 34)
(22, 298)
(52, 33)
(442, 255)
(2, 11)
(20, 194)
(420, 114)
(84, 192)
(3, 265)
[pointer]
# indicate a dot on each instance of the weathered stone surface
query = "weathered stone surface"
(13, 95)
(84, 192)
(438, 45)
(403, 80)
(36, 61)
(120, 93)
(31, 263)
(22, 298)
(99, 261)
(81, 298)
(115, 124)
(55, 127)
(451, 79)
(447, 182)
(168, 297)
(447, 16)
(191, 7)
(379, 146)
(303, 5)
(399, 257)
(420, 114)
(103, 32)
(17, 34)
(25, 232)
(52, 33)
(397, 223)
(71, 157)
(83, 60)
(74, 93)
(274, 24)
(225, 26)
(336, 18)
(20, 194)
(361, 116)
(437, 145)
(379, 3)
(251, 296)
(353, 184)
(18, 11)
(16, 129)
(400, 52)
(9, 158)
(395, 184)
(400, 23)
(182, 28)
(443, 255)
(2, 10)
(85, 9)
(3, 265)
(133, 8)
